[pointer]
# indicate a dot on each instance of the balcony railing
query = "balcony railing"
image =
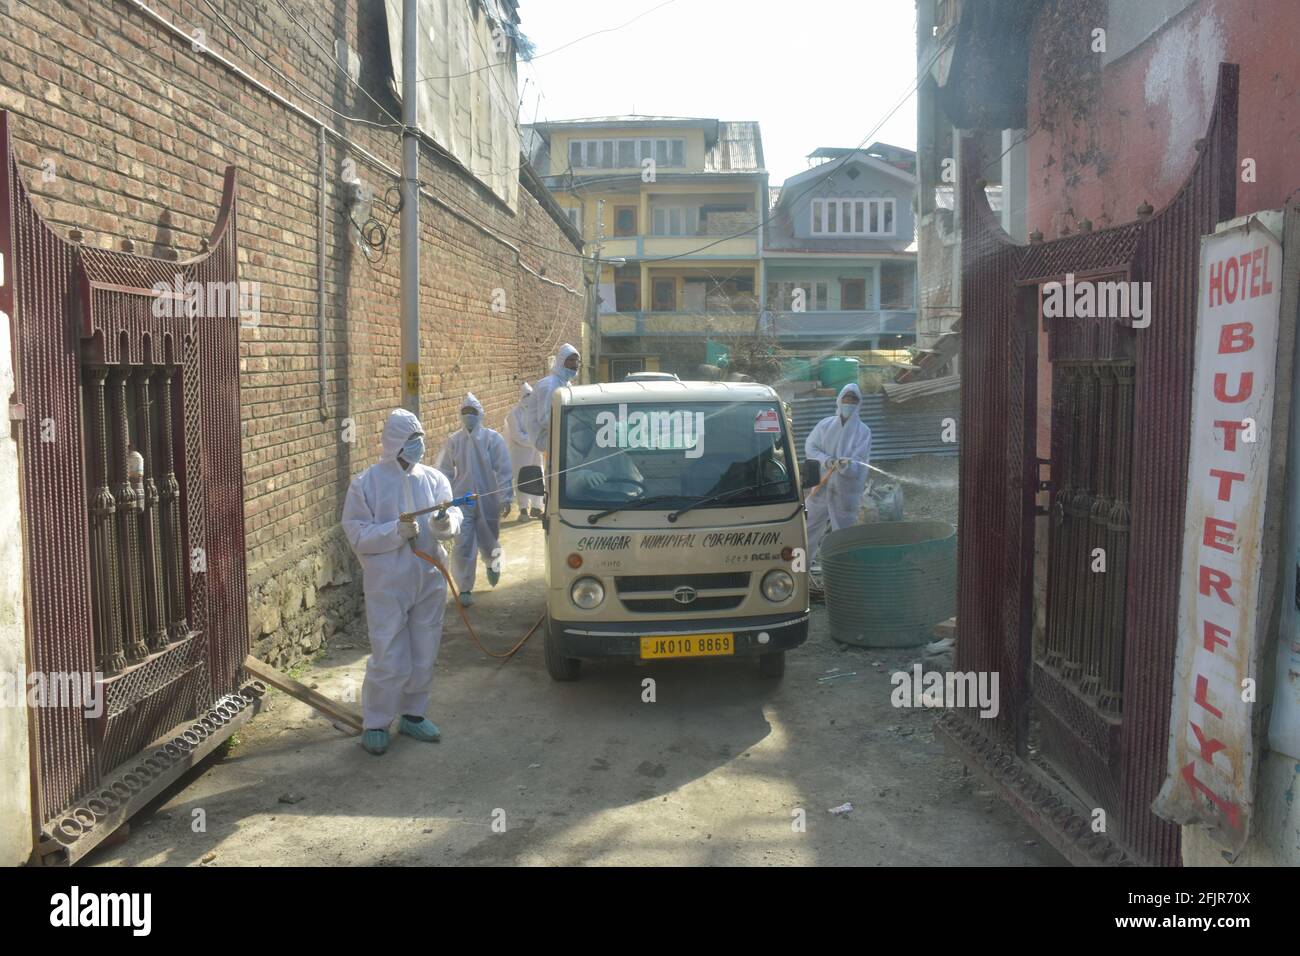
(676, 323)
(854, 323)
(724, 246)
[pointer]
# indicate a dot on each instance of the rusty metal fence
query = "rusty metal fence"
(1085, 705)
(128, 418)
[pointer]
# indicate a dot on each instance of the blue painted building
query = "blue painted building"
(839, 256)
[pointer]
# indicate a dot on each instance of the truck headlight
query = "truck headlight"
(587, 593)
(777, 586)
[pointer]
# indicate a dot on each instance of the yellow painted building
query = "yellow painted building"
(671, 209)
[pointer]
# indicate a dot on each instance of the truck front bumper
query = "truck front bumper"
(622, 639)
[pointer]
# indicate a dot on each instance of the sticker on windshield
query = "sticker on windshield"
(767, 421)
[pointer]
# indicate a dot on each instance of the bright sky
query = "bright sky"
(813, 73)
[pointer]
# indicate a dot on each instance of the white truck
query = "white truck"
(674, 525)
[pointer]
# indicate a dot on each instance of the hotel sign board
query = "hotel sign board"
(1211, 763)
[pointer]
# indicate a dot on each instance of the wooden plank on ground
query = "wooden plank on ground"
(282, 681)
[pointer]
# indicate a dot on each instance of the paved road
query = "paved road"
(713, 772)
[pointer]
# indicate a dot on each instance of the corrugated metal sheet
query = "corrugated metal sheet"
(895, 432)
(739, 149)
(900, 392)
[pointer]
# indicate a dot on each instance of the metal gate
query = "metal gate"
(128, 418)
(1084, 712)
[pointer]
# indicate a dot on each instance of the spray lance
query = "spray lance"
(469, 500)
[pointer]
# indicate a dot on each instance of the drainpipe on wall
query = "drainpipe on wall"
(320, 269)
(410, 188)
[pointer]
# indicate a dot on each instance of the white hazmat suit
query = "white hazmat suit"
(405, 595)
(842, 438)
(522, 450)
(477, 461)
(539, 406)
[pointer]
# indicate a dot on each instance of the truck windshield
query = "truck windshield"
(675, 453)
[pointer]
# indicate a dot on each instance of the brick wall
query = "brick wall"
(123, 130)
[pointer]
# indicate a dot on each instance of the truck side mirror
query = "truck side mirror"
(810, 473)
(530, 481)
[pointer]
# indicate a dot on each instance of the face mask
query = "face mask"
(470, 422)
(568, 374)
(413, 450)
(848, 410)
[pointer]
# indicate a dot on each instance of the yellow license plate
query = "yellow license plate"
(691, 645)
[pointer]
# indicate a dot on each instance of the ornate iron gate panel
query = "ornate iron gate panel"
(128, 394)
(1099, 691)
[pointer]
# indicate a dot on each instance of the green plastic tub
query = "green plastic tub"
(889, 584)
(838, 370)
(797, 370)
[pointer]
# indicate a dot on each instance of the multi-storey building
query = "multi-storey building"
(671, 209)
(839, 260)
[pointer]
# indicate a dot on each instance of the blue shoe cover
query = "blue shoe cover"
(425, 730)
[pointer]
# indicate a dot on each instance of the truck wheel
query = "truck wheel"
(557, 665)
(772, 665)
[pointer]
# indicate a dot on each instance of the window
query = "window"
(625, 153)
(647, 451)
(815, 298)
(853, 217)
(853, 294)
(625, 221)
(664, 295)
(575, 217)
(674, 221)
(627, 295)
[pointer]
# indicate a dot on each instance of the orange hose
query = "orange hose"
(818, 487)
(464, 617)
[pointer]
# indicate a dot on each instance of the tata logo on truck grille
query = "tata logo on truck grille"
(684, 594)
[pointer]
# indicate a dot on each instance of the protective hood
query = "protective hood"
(472, 402)
(562, 356)
(525, 390)
(849, 389)
(401, 425)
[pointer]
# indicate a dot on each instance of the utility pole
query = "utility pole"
(597, 246)
(410, 222)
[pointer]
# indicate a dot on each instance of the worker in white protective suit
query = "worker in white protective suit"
(522, 453)
(842, 443)
(405, 595)
(477, 460)
(563, 372)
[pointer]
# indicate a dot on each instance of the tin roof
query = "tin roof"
(739, 149)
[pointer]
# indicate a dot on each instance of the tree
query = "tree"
(755, 354)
